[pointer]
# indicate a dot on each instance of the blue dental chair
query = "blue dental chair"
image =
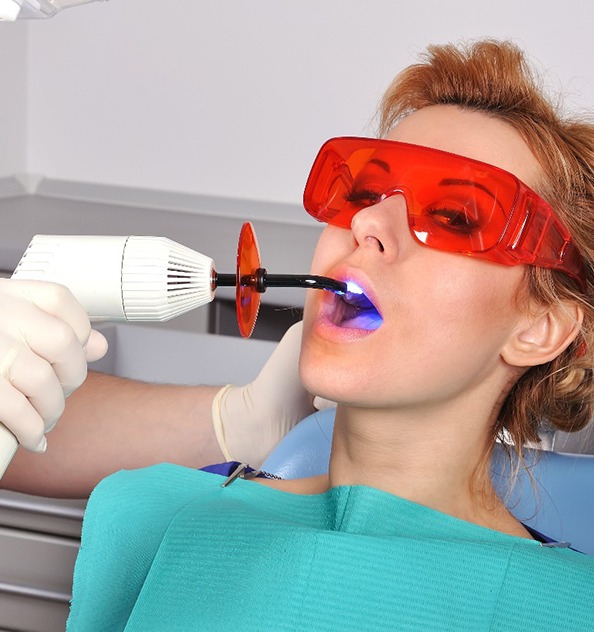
(562, 507)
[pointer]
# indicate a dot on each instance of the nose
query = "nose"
(383, 226)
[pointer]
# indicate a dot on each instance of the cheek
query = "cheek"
(330, 247)
(478, 308)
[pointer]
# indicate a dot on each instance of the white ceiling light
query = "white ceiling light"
(11, 10)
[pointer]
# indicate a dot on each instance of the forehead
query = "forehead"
(471, 134)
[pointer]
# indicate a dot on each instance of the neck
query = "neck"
(437, 462)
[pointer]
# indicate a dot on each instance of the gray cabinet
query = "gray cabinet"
(39, 540)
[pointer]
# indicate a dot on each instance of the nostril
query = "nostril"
(376, 242)
(371, 223)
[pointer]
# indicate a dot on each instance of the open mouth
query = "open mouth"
(355, 311)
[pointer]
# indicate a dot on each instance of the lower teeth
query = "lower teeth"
(368, 321)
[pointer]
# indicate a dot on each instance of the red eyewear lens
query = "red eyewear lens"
(454, 204)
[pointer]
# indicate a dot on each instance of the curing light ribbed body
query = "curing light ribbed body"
(122, 278)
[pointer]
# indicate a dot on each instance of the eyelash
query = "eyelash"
(452, 218)
(362, 195)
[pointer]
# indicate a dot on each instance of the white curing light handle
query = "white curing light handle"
(8, 447)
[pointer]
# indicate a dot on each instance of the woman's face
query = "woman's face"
(445, 317)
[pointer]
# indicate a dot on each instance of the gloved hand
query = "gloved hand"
(45, 342)
(250, 420)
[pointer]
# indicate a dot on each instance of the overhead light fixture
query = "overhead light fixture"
(11, 10)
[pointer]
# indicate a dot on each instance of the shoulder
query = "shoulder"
(126, 519)
(548, 587)
(123, 501)
(150, 480)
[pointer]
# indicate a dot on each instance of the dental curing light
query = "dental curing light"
(11, 10)
(153, 279)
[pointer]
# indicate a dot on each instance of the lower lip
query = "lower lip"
(326, 329)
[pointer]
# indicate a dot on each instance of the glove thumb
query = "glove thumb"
(96, 346)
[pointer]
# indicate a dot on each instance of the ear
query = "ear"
(543, 335)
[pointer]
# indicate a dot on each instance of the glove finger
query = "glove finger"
(285, 356)
(58, 344)
(59, 302)
(17, 414)
(38, 382)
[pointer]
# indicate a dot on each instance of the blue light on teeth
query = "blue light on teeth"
(353, 288)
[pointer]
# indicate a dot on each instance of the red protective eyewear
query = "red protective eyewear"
(454, 204)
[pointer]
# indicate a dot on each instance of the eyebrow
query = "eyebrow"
(382, 164)
(471, 183)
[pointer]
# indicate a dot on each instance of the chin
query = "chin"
(330, 375)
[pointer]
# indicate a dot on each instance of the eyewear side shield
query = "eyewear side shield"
(454, 204)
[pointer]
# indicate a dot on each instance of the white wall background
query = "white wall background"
(234, 98)
(13, 99)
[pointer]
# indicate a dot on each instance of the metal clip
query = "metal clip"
(237, 473)
(556, 545)
(241, 472)
(246, 472)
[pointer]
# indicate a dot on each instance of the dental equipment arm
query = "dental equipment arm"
(11, 10)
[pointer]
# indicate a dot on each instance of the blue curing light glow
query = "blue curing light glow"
(358, 312)
(353, 288)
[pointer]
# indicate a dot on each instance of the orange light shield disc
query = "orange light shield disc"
(247, 298)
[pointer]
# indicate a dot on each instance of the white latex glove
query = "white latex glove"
(250, 420)
(45, 342)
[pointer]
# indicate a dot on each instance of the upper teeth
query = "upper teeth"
(358, 300)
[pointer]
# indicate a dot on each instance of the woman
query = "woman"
(446, 353)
